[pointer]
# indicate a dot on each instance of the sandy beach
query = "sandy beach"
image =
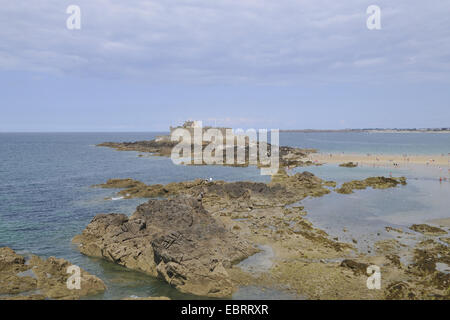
(399, 160)
(445, 222)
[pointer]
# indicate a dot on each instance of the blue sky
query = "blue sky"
(145, 65)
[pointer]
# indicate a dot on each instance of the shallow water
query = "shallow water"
(262, 293)
(260, 261)
(46, 198)
(361, 142)
(365, 213)
(443, 267)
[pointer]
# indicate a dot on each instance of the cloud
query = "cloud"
(228, 41)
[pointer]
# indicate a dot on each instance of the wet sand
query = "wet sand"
(441, 222)
(441, 160)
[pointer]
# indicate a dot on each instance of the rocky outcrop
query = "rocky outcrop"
(282, 189)
(400, 290)
(230, 196)
(159, 240)
(175, 239)
(37, 278)
(162, 146)
(427, 254)
(373, 182)
(136, 189)
(194, 236)
(356, 267)
(392, 229)
(428, 230)
(349, 165)
(190, 238)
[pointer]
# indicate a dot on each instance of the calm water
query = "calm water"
(366, 213)
(382, 143)
(46, 198)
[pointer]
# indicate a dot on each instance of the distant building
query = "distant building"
(191, 125)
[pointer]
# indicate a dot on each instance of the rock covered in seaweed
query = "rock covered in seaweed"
(241, 195)
(162, 146)
(349, 164)
(428, 230)
(38, 278)
(373, 182)
(157, 147)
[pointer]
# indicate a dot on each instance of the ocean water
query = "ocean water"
(364, 214)
(46, 196)
(361, 142)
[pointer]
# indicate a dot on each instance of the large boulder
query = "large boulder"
(175, 239)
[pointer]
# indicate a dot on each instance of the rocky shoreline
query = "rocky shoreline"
(372, 182)
(34, 278)
(288, 156)
(194, 234)
(198, 235)
(175, 239)
(384, 160)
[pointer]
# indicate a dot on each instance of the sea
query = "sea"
(46, 193)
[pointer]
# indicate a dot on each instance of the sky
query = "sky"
(285, 64)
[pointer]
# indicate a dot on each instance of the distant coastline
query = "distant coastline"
(375, 130)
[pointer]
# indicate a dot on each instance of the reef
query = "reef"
(282, 190)
(189, 233)
(200, 235)
(427, 230)
(373, 182)
(349, 164)
(162, 146)
(175, 239)
(158, 148)
(34, 278)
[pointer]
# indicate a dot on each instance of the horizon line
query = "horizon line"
(281, 130)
